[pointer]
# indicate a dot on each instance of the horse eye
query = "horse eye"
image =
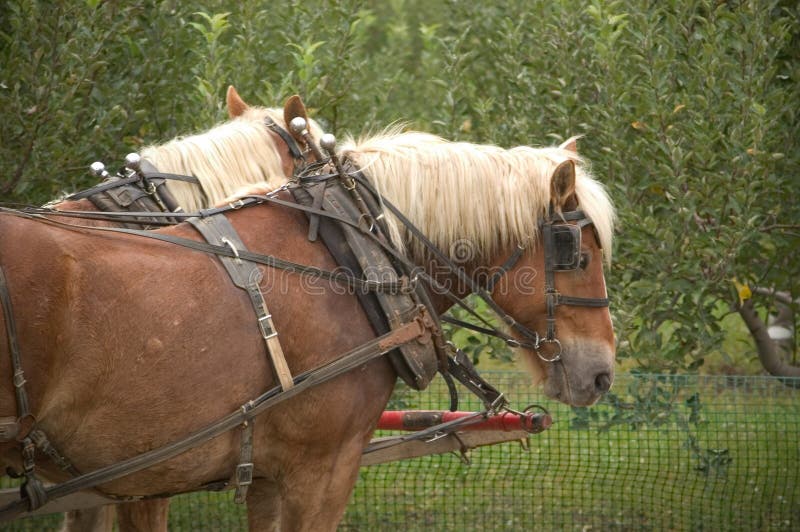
(584, 262)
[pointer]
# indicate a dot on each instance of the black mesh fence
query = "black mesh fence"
(659, 453)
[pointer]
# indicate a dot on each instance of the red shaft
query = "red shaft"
(413, 420)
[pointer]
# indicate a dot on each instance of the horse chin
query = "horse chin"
(577, 379)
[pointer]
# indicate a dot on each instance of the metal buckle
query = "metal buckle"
(267, 331)
(233, 248)
(498, 404)
(438, 435)
(244, 474)
(19, 378)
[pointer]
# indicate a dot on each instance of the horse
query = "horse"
(225, 160)
(103, 323)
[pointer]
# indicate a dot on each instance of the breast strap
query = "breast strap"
(246, 275)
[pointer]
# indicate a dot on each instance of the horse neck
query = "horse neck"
(455, 284)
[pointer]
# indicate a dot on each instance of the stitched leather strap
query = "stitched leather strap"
(243, 476)
(245, 275)
(23, 408)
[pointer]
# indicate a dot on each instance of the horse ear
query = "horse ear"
(293, 108)
(236, 106)
(562, 187)
(571, 144)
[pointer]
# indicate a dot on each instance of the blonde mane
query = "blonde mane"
(481, 196)
(225, 158)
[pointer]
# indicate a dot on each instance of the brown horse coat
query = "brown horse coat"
(129, 344)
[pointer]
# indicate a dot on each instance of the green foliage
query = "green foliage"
(211, 60)
(688, 107)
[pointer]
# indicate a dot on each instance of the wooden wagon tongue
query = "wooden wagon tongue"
(475, 429)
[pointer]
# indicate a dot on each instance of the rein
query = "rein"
(225, 251)
(294, 150)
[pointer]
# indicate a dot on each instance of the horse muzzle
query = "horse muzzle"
(582, 375)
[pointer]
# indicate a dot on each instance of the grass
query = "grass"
(729, 463)
(663, 453)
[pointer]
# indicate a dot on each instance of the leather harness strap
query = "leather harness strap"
(294, 149)
(109, 185)
(23, 407)
(245, 275)
(23, 428)
(243, 476)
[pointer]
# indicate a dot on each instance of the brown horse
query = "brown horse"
(225, 159)
(130, 344)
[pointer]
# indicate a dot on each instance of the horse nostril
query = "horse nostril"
(602, 382)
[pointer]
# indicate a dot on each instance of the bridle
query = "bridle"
(562, 252)
(298, 155)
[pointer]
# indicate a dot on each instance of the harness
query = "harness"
(408, 327)
(137, 186)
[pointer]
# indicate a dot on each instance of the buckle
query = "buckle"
(244, 474)
(235, 251)
(267, 331)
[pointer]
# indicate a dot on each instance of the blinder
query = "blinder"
(566, 249)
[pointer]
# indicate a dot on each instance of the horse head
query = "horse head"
(528, 226)
(568, 305)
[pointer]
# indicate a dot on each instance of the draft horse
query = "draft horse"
(256, 147)
(131, 343)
